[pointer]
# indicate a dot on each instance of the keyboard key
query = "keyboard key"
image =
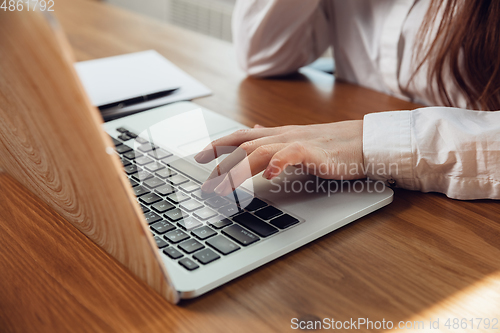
(162, 206)
(255, 224)
(131, 155)
(222, 244)
(130, 169)
(150, 198)
(115, 142)
(239, 195)
(175, 215)
(124, 137)
(165, 173)
(139, 190)
(189, 223)
(190, 246)
(192, 169)
(160, 242)
(144, 209)
(178, 197)
(255, 204)
(268, 213)
(203, 232)
(284, 221)
(162, 227)
(154, 182)
(229, 210)
(140, 140)
(143, 160)
(240, 235)
(217, 202)
(200, 195)
(122, 130)
(165, 190)
(155, 166)
(189, 187)
(205, 213)
(125, 162)
(152, 217)
(173, 253)
(122, 149)
(188, 264)
(176, 236)
(191, 205)
(219, 222)
(141, 175)
(206, 256)
(132, 134)
(177, 180)
(160, 154)
(147, 147)
(133, 183)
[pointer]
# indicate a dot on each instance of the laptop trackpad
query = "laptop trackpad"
(196, 146)
(189, 131)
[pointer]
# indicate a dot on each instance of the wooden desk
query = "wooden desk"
(424, 256)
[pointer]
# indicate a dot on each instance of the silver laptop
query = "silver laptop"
(205, 240)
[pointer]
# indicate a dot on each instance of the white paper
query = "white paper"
(114, 79)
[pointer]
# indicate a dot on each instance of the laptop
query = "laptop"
(132, 185)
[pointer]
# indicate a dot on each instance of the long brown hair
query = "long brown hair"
(467, 47)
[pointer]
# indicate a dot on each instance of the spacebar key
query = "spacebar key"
(240, 235)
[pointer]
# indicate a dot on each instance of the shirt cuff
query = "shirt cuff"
(387, 148)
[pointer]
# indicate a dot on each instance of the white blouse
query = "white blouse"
(450, 150)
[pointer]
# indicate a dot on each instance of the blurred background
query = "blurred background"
(210, 17)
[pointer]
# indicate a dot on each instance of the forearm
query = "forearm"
(275, 37)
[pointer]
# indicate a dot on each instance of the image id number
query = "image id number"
(19, 5)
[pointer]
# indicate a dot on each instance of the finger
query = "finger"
(210, 153)
(234, 140)
(293, 154)
(217, 175)
(250, 166)
(252, 145)
(234, 158)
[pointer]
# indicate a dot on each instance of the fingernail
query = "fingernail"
(204, 187)
(267, 174)
(220, 190)
(199, 155)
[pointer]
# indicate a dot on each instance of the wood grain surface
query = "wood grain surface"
(62, 156)
(424, 256)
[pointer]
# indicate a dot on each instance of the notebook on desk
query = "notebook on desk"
(134, 82)
(131, 184)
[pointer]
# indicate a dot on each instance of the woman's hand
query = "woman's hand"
(331, 151)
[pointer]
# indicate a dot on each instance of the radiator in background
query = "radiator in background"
(210, 17)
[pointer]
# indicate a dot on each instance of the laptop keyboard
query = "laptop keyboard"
(189, 226)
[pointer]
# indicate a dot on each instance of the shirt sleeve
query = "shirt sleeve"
(435, 149)
(276, 37)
